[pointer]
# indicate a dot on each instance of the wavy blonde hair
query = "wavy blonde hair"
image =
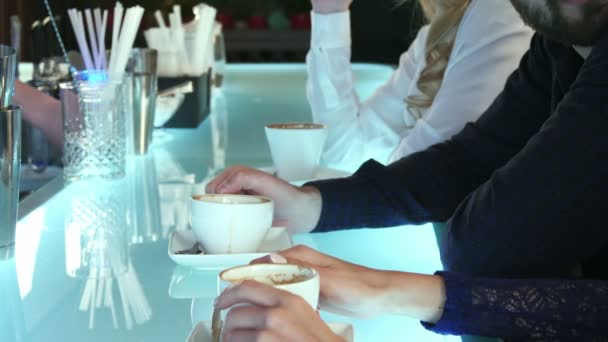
(444, 17)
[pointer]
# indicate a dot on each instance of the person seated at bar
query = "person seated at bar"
(512, 184)
(523, 187)
(455, 67)
(447, 303)
(41, 110)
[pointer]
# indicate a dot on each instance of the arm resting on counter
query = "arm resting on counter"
(42, 111)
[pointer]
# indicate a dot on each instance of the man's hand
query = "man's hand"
(297, 208)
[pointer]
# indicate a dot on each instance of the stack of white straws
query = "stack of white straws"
(183, 49)
(124, 31)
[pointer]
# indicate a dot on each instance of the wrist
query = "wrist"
(417, 296)
(311, 200)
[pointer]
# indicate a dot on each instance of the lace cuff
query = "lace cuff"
(457, 312)
(524, 309)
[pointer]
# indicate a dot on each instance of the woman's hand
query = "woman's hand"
(330, 6)
(297, 208)
(358, 291)
(270, 314)
(346, 288)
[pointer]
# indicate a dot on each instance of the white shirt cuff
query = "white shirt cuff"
(330, 31)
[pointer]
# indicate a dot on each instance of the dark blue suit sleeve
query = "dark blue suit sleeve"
(430, 185)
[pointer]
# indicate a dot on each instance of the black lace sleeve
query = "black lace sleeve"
(525, 309)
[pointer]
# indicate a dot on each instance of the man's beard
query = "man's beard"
(549, 20)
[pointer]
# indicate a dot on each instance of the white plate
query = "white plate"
(322, 174)
(278, 239)
(202, 332)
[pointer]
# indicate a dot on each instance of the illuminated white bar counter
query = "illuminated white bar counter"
(56, 289)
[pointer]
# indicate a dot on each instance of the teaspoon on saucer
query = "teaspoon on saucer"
(196, 249)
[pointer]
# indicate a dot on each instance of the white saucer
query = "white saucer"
(191, 283)
(322, 174)
(202, 332)
(278, 239)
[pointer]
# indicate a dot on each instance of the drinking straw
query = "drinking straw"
(203, 39)
(78, 27)
(97, 20)
(86, 295)
(159, 19)
(177, 13)
(100, 27)
(108, 292)
(125, 41)
(102, 40)
(84, 36)
(117, 22)
(177, 9)
(92, 36)
(164, 31)
(141, 308)
(176, 37)
(210, 17)
(111, 301)
(99, 299)
(92, 306)
(149, 35)
(125, 306)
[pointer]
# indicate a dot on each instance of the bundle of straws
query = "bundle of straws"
(108, 270)
(183, 49)
(123, 37)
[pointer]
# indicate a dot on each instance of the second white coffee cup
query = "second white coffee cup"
(230, 224)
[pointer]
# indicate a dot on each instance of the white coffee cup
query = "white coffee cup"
(230, 224)
(296, 149)
(298, 280)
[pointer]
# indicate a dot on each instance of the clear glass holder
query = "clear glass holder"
(94, 120)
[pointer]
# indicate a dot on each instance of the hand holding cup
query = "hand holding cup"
(297, 208)
(272, 302)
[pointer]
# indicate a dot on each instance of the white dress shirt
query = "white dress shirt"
(489, 44)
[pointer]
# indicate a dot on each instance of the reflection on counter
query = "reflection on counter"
(95, 230)
(188, 282)
(144, 216)
(219, 130)
(174, 187)
(200, 286)
(12, 327)
(218, 120)
(97, 251)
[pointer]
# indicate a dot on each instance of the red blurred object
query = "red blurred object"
(226, 19)
(257, 22)
(300, 21)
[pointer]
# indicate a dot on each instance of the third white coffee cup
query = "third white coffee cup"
(298, 280)
(296, 149)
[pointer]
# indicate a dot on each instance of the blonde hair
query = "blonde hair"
(444, 18)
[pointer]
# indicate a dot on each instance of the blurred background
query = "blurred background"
(255, 30)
